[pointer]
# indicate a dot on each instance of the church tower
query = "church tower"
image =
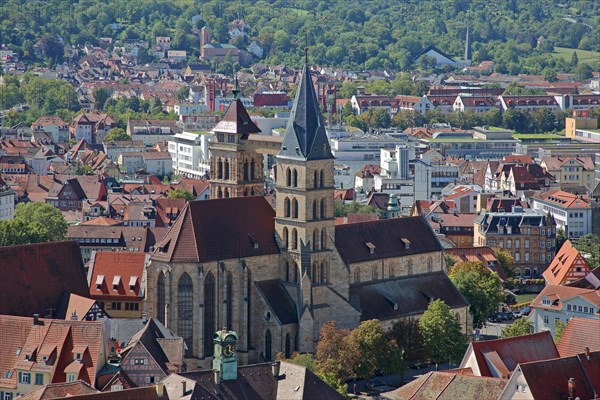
(236, 169)
(304, 220)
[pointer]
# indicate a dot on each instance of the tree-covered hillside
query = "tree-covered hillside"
(519, 35)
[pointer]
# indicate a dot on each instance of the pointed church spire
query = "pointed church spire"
(236, 90)
(305, 136)
(467, 45)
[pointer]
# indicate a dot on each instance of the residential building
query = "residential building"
(54, 126)
(42, 160)
(499, 358)
(561, 303)
(395, 177)
(362, 102)
(531, 102)
(114, 148)
(579, 123)
(36, 276)
(167, 211)
(92, 126)
(574, 377)
(117, 280)
(482, 143)
(571, 171)
(451, 384)
(152, 131)
(7, 201)
(414, 103)
(189, 152)
(113, 238)
(477, 104)
(580, 333)
(567, 266)
(572, 213)
(528, 235)
(359, 146)
(58, 390)
(456, 227)
(483, 255)
(41, 351)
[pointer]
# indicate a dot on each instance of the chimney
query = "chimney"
(571, 388)
(74, 316)
(36, 319)
(275, 368)
(587, 353)
(160, 389)
(183, 388)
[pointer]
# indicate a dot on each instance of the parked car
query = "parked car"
(494, 318)
(525, 311)
(517, 314)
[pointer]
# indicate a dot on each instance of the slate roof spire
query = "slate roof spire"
(305, 136)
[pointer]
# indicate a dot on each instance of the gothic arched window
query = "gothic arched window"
(294, 208)
(322, 178)
(294, 239)
(227, 169)
(315, 179)
(323, 239)
(185, 302)
(314, 209)
(295, 178)
(268, 355)
(246, 171)
(209, 313)
(252, 170)
(229, 299)
(285, 237)
(429, 264)
(286, 208)
(288, 177)
(160, 300)
(324, 272)
(219, 193)
(409, 268)
(288, 348)
(226, 193)
(220, 169)
(315, 241)
(322, 208)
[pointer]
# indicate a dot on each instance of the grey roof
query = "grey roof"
(279, 300)
(305, 137)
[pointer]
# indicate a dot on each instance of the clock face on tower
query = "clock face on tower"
(229, 349)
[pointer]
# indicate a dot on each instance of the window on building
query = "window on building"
(546, 319)
(71, 378)
(315, 179)
(209, 313)
(526, 243)
(268, 355)
(288, 177)
(517, 244)
(526, 256)
(185, 303)
(294, 208)
(517, 256)
(286, 208)
(39, 379)
(580, 308)
(509, 244)
(24, 377)
(322, 208)
(115, 305)
(160, 301)
(568, 307)
(295, 178)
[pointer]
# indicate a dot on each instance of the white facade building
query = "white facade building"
(7, 203)
(572, 213)
(189, 152)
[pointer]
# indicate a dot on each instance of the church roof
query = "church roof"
(394, 237)
(220, 229)
(279, 300)
(305, 136)
(237, 120)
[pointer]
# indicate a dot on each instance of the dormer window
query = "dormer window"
(406, 243)
(547, 302)
(509, 230)
(116, 282)
(132, 282)
(99, 281)
(371, 247)
(78, 356)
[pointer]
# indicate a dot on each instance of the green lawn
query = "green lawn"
(522, 298)
(584, 56)
(537, 136)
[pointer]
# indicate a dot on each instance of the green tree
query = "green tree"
(33, 223)
(100, 96)
(408, 119)
(116, 134)
(52, 49)
(409, 340)
(507, 262)
(518, 328)
(559, 329)
(583, 72)
(549, 75)
(183, 92)
(373, 346)
(337, 352)
(574, 59)
(341, 209)
(480, 286)
(561, 238)
(589, 246)
(442, 338)
(449, 260)
(181, 194)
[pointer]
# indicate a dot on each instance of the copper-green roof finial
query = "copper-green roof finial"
(236, 91)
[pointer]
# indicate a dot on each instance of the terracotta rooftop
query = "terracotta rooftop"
(579, 334)
(558, 294)
(60, 391)
(446, 385)
(35, 276)
(505, 354)
(567, 266)
(484, 255)
(564, 199)
(117, 275)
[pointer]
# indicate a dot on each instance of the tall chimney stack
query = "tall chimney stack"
(36, 319)
(571, 388)
(275, 368)
(587, 353)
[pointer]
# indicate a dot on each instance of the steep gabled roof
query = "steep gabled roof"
(565, 262)
(305, 137)
(505, 354)
(211, 230)
(35, 276)
(237, 120)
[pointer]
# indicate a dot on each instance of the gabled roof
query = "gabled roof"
(405, 296)
(237, 120)
(279, 300)
(123, 269)
(566, 262)
(305, 137)
(579, 334)
(394, 237)
(447, 385)
(549, 379)
(558, 294)
(432, 47)
(60, 391)
(505, 354)
(35, 276)
(211, 230)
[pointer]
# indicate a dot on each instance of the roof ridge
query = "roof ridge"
(446, 386)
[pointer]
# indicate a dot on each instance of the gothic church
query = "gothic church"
(276, 276)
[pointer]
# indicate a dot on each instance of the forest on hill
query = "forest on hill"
(518, 35)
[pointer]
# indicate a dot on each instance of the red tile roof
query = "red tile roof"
(57, 338)
(449, 385)
(123, 269)
(505, 354)
(60, 391)
(140, 393)
(564, 267)
(558, 294)
(484, 254)
(579, 334)
(565, 199)
(237, 120)
(35, 276)
(549, 379)
(103, 221)
(167, 211)
(211, 230)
